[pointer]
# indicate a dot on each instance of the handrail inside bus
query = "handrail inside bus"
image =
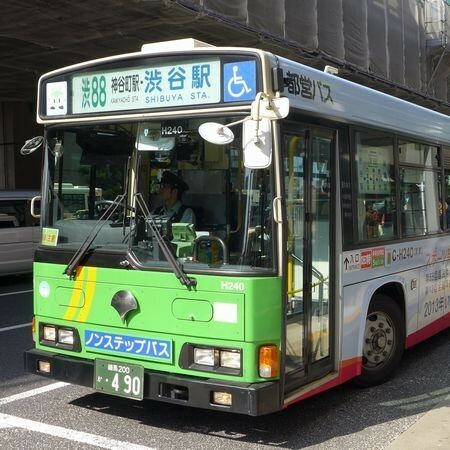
(318, 274)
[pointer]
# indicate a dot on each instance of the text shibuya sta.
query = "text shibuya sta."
(170, 98)
(161, 99)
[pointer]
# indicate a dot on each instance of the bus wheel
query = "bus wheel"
(384, 340)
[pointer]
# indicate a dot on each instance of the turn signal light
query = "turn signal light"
(268, 361)
(33, 328)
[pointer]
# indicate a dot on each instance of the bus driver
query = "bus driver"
(171, 191)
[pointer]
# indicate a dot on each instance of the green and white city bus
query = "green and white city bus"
(320, 248)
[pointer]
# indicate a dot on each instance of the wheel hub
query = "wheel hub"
(378, 339)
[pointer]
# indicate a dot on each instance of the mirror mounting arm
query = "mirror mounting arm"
(263, 107)
(239, 121)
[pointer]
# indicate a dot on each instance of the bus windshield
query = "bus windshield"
(211, 211)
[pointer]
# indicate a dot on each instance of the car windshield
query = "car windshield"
(126, 180)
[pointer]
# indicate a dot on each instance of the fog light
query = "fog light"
(205, 356)
(65, 336)
(230, 358)
(44, 366)
(49, 333)
(222, 398)
(268, 361)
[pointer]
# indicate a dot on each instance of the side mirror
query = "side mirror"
(256, 139)
(216, 133)
(257, 144)
(31, 145)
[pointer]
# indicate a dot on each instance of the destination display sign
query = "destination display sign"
(149, 87)
(156, 85)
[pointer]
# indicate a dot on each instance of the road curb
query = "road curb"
(431, 431)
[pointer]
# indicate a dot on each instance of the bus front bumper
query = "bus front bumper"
(251, 399)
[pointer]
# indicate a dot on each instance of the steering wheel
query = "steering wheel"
(103, 205)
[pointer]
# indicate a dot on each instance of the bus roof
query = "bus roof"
(309, 90)
(323, 94)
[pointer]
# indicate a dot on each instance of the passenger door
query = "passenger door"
(308, 161)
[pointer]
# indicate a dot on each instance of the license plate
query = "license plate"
(118, 378)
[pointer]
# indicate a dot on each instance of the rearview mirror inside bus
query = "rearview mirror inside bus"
(257, 144)
(31, 145)
(151, 139)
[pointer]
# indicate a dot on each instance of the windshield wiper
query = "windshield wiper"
(177, 269)
(81, 252)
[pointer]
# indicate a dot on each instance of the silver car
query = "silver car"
(19, 231)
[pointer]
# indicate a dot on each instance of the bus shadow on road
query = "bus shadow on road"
(420, 383)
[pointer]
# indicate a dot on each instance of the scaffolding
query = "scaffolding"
(436, 32)
(436, 23)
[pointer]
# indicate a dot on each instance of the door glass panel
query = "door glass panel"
(294, 162)
(320, 244)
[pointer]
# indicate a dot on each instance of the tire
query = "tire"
(384, 340)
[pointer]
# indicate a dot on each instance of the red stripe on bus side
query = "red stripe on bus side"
(349, 369)
(428, 331)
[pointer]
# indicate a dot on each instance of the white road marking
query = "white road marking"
(32, 392)
(7, 421)
(14, 327)
(4, 294)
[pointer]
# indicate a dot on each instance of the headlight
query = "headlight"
(212, 359)
(205, 356)
(230, 358)
(65, 336)
(49, 333)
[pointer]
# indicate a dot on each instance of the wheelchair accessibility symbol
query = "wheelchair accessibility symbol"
(237, 86)
(239, 81)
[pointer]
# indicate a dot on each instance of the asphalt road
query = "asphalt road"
(36, 413)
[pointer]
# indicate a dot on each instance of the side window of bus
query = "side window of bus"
(445, 210)
(375, 174)
(420, 189)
